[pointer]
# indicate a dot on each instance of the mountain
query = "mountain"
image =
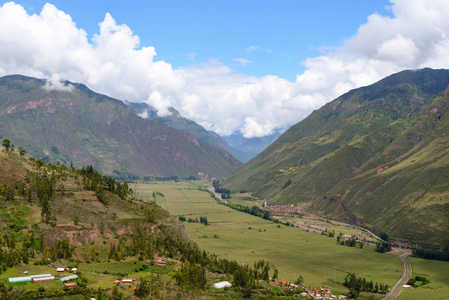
(377, 156)
(247, 148)
(74, 124)
(242, 148)
(175, 120)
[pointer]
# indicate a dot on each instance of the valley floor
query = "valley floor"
(246, 238)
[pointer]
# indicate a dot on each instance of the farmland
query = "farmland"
(245, 238)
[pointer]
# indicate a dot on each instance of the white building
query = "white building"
(222, 284)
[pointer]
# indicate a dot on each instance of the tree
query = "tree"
(6, 143)
(275, 274)
(22, 151)
(299, 281)
(100, 294)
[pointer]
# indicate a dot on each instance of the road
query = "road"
(406, 274)
(211, 189)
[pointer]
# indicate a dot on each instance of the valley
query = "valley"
(294, 251)
(224, 150)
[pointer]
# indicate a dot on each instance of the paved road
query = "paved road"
(406, 274)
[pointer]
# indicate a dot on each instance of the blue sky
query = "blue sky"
(248, 67)
(276, 36)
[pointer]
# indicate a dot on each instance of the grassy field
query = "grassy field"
(327, 225)
(437, 272)
(248, 203)
(246, 238)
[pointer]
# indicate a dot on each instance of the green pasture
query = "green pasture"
(249, 203)
(245, 238)
(437, 272)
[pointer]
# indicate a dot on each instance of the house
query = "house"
(407, 287)
(128, 280)
(117, 282)
(67, 278)
(159, 262)
(70, 284)
(222, 284)
(60, 269)
(73, 270)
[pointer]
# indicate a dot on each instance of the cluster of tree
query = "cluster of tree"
(191, 276)
(11, 255)
(351, 242)
(225, 193)
(360, 284)
(169, 178)
(7, 192)
(418, 281)
(383, 247)
(95, 181)
(202, 220)
(150, 288)
(6, 143)
(261, 269)
(330, 233)
(254, 210)
(436, 254)
(43, 188)
(141, 242)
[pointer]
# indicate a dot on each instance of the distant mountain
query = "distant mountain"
(242, 148)
(245, 149)
(376, 156)
(177, 121)
(78, 125)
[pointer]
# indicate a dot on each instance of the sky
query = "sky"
(251, 67)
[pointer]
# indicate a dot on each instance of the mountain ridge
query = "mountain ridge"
(76, 124)
(345, 160)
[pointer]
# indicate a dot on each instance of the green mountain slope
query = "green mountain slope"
(376, 156)
(84, 127)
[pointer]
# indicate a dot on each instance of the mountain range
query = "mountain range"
(377, 156)
(71, 123)
(239, 146)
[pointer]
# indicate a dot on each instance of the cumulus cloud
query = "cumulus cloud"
(55, 83)
(50, 45)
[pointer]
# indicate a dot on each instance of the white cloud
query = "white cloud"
(55, 83)
(252, 48)
(50, 45)
(242, 61)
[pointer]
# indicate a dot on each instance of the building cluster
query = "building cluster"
(321, 294)
(125, 281)
(47, 277)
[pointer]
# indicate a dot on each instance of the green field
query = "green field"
(438, 274)
(245, 238)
